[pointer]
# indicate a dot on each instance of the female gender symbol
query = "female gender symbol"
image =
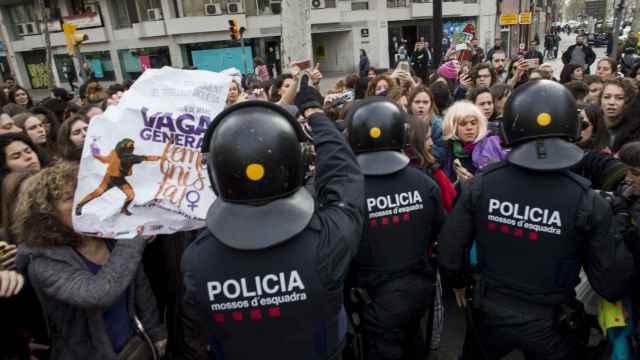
(193, 200)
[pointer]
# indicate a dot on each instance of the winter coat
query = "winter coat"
(74, 299)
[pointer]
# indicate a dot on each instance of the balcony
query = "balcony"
(147, 29)
(31, 42)
(201, 24)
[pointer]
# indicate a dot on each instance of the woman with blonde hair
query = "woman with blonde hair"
(93, 291)
(469, 145)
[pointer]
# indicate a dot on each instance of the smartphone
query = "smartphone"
(404, 66)
(532, 63)
(303, 64)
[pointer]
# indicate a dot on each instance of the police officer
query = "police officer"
(535, 224)
(393, 281)
(264, 280)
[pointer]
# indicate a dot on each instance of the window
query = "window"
(101, 65)
(359, 5)
(135, 61)
(197, 7)
(123, 13)
(264, 7)
(23, 18)
(397, 3)
(150, 10)
(421, 1)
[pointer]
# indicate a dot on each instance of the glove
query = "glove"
(307, 97)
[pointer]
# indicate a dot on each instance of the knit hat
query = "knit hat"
(448, 70)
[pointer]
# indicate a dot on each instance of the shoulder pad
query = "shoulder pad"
(493, 167)
(582, 182)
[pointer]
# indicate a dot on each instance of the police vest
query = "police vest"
(401, 208)
(266, 304)
(526, 236)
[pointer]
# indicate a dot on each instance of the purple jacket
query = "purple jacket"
(487, 151)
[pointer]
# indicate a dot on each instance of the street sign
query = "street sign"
(525, 18)
(509, 19)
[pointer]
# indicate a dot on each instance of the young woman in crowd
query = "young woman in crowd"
(606, 67)
(283, 83)
(372, 73)
(49, 121)
(469, 145)
(501, 93)
(18, 153)
(20, 96)
(441, 97)
(621, 106)
(571, 72)
(593, 135)
(37, 132)
(261, 71)
(234, 93)
(89, 111)
(483, 98)
(93, 290)
(381, 85)
(71, 137)
(595, 88)
(422, 106)
(421, 155)
(7, 125)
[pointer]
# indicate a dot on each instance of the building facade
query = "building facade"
(127, 36)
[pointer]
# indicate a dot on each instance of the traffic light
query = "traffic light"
(73, 37)
(234, 29)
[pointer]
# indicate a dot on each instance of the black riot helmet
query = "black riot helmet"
(540, 122)
(256, 165)
(377, 134)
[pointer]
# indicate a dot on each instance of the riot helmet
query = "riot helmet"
(540, 123)
(377, 132)
(256, 164)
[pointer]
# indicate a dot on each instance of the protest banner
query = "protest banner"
(142, 171)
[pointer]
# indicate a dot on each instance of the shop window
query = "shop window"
(150, 10)
(101, 65)
(135, 61)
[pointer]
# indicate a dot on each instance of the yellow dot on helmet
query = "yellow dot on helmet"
(255, 172)
(544, 119)
(375, 132)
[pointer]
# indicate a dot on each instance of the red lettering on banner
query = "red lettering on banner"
(256, 314)
(373, 223)
(492, 226)
(406, 217)
(274, 312)
(518, 232)
(237, 315)
(533, 236)
(385, 220)
(504, 229)
(219, 318)
(396, 219)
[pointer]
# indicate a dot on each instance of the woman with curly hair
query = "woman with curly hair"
(571, 72)
(93, 291)
(71, 136)
(382, 85)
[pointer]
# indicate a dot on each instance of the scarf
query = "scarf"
(462, 151)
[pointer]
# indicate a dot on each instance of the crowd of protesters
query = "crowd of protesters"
(70, 296)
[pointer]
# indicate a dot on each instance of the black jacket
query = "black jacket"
(629, 128)
(335, 228)
(590, 56)
(604, 256)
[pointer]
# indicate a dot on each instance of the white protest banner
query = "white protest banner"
(142, 171)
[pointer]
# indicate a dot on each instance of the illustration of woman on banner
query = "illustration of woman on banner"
(119, 165)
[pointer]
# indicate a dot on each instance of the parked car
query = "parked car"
(597, 40)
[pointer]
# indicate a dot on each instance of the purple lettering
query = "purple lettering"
(184, 123)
